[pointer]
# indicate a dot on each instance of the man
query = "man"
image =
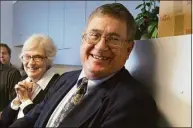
(112, 98)
(9, 77)
(5, 54)
(5, 57)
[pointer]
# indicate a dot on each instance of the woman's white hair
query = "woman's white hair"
(43, 41)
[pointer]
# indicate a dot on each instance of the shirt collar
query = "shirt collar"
(43, 82)
(93, 82)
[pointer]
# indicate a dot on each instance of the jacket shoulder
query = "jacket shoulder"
(66, 78)
(127, 87)
(68, 75)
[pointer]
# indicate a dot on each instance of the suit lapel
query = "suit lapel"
(82, 112)
(58, 93)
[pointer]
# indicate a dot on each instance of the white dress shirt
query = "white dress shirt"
(91, 85)
(39, 85)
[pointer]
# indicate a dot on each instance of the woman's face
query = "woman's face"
(34, 62)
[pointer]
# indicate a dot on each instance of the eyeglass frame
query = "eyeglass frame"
(84, 35)
(34, 58)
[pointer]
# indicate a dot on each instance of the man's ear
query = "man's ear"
(10, 58)
(129, 49)
(131, 45)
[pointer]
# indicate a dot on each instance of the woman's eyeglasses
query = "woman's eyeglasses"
(36, 58)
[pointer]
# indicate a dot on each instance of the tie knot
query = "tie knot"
(82, 85)
(84, 80)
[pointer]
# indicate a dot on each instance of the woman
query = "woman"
(37, 57)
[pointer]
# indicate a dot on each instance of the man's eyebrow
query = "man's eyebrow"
(114, 34)
(95, 30)
(109, 34)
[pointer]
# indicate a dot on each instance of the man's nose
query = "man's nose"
(102, 45)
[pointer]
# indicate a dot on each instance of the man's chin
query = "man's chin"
(97, 69)
(96, 73)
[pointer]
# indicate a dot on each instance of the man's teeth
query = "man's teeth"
(100, 57)
(32, 68)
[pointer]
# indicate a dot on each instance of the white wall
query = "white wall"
(164, 65)
(6, 29)
(6, 21)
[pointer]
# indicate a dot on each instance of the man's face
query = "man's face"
(101, 59)
(4, 56)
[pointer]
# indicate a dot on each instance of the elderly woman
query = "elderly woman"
(37, 57)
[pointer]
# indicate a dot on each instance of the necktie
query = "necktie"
(73, 101)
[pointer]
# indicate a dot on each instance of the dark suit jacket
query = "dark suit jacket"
(9, 115)
(120, 102)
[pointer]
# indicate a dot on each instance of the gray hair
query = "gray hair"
(43, 41)
(120, 12)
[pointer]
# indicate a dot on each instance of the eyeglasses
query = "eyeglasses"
(36, 58)
(94, 38)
